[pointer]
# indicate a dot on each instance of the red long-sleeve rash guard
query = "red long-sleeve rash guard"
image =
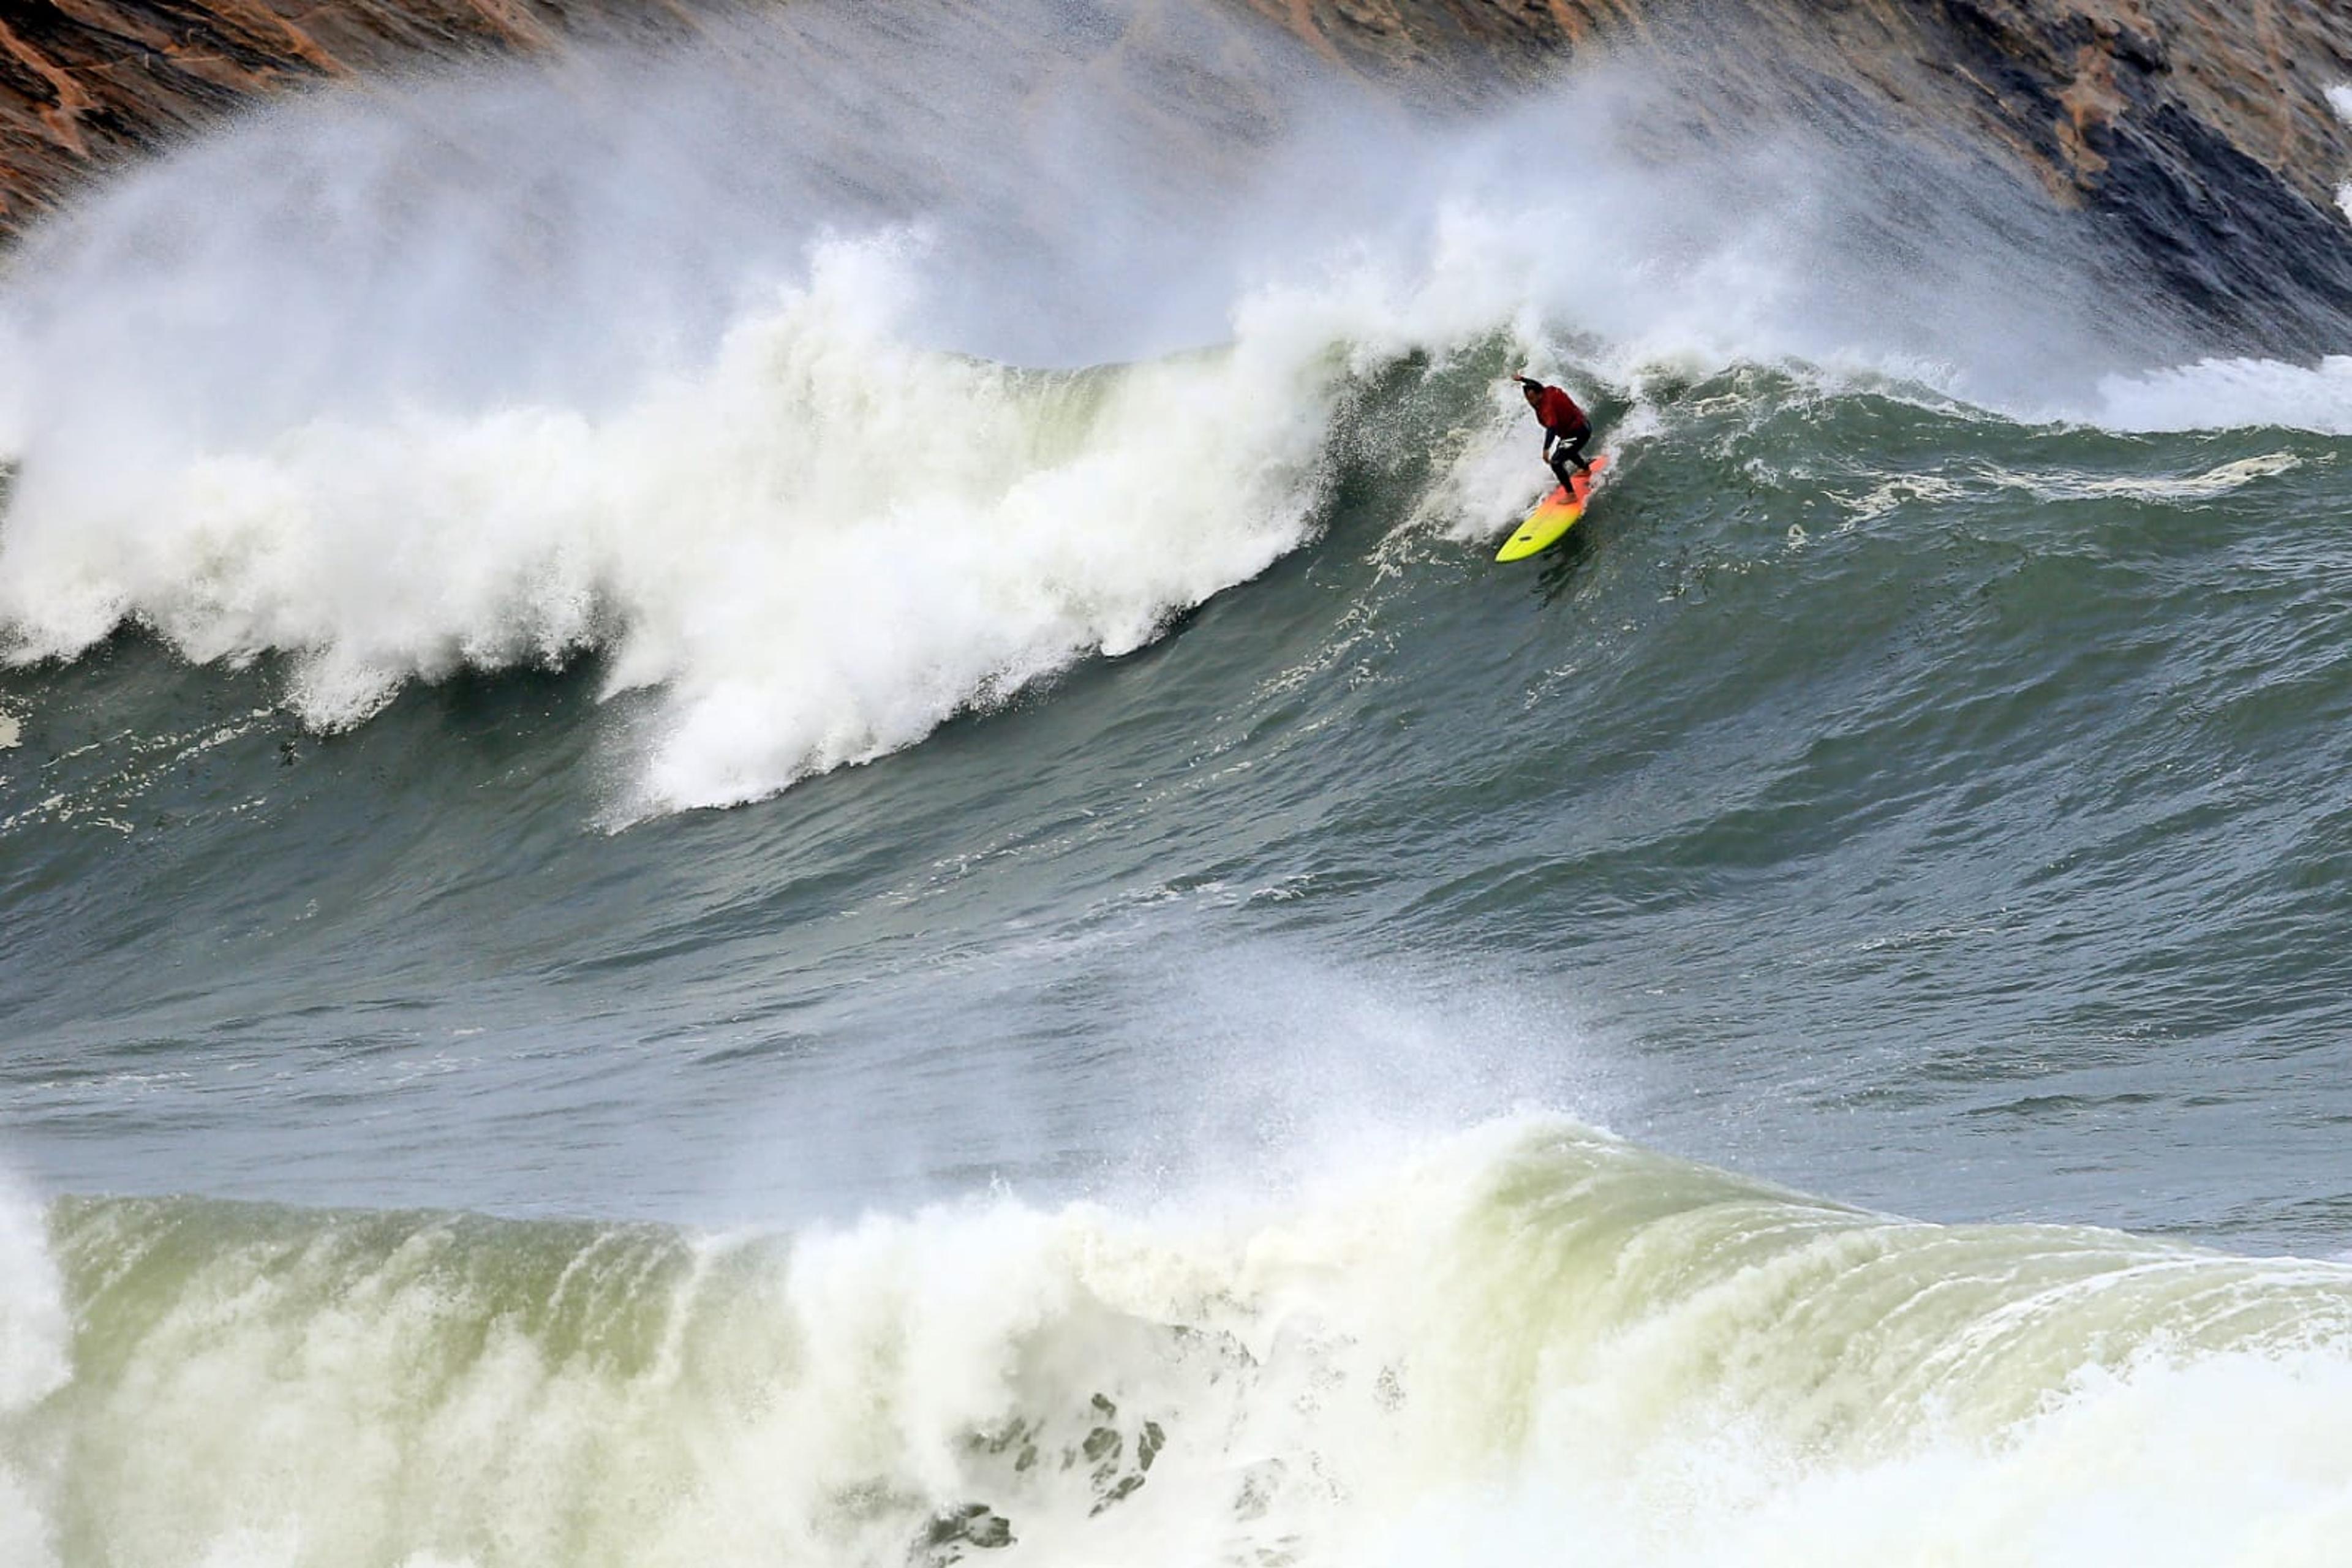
(1558, 411)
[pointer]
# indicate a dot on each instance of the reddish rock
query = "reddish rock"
(86, 82)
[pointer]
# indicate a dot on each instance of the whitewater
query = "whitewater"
(773, 803)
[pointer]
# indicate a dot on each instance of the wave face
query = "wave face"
(805, 825)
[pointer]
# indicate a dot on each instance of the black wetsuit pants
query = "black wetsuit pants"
(1567, 451)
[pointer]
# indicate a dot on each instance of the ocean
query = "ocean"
(773, 803)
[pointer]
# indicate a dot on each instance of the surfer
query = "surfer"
(1565, 427)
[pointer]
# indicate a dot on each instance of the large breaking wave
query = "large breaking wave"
(717, 373)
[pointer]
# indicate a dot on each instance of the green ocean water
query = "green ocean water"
(1920, 807)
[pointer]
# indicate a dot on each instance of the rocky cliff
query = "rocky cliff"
(2200, 131)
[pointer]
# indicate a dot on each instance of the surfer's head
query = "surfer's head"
(1531, 386)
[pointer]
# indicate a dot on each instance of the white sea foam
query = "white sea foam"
(2170, 1463)
(818, 550)
(2339, 98)
(2218, 480)
(34, 1363)
(2233, 393)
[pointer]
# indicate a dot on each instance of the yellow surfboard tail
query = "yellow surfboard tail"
(1554, 516)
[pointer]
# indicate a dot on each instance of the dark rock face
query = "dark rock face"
(2197, 131)
(2201, 132)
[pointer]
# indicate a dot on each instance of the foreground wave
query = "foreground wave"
(1528, 1340)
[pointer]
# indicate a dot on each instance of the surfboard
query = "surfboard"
(1554, 516)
